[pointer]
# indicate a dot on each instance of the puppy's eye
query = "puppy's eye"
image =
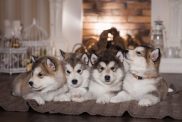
(101, 69)
(79, 71)
(68, 72)
(40, 75)
(138, 53)
(113, 69)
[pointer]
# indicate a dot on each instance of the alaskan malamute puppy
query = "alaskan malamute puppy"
(143, 82)
(107, 73)
(43, 82)
(77, 74)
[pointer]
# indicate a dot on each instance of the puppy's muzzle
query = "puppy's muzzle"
(107, 78)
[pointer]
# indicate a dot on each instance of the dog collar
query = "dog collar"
(141, 78)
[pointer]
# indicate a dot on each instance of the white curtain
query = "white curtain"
(175, 19)
(62, 19)
(25, 11)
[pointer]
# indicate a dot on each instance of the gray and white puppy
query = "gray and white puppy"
(77, 74)
(143, 81)
(107, 73)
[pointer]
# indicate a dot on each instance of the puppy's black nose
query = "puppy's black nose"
(107, 78)
(30, 83)
(74, 81)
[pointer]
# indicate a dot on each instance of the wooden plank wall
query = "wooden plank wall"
(128, 16)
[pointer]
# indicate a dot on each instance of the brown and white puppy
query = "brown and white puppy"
(143, 82)
(45, 81)
(107, 74)
(77, 74)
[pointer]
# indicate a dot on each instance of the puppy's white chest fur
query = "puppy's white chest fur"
(138, 88)
(99, 90)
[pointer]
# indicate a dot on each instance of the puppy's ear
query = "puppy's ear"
(120, 56)
(85, 58)
(62, 53)
(33, 58)
(155, 54)
(51, 65)
(93, 58)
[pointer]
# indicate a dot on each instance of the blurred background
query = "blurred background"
(42, 27)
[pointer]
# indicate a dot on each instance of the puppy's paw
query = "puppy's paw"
(115, 99)
(62, 98)
(148, 100)
(76, 94)
(145, 102)
(48, 97)
(120, 97)
(39, 100)
(78, 99)
(103, 100)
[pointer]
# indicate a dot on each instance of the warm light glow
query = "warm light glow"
(100, 26)
(110, 37)
(123, 33)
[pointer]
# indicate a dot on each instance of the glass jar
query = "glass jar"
(158, 35)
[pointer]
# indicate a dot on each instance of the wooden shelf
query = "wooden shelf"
(171, 65)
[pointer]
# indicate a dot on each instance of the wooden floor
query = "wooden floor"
(33, 116)
(37, 117)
